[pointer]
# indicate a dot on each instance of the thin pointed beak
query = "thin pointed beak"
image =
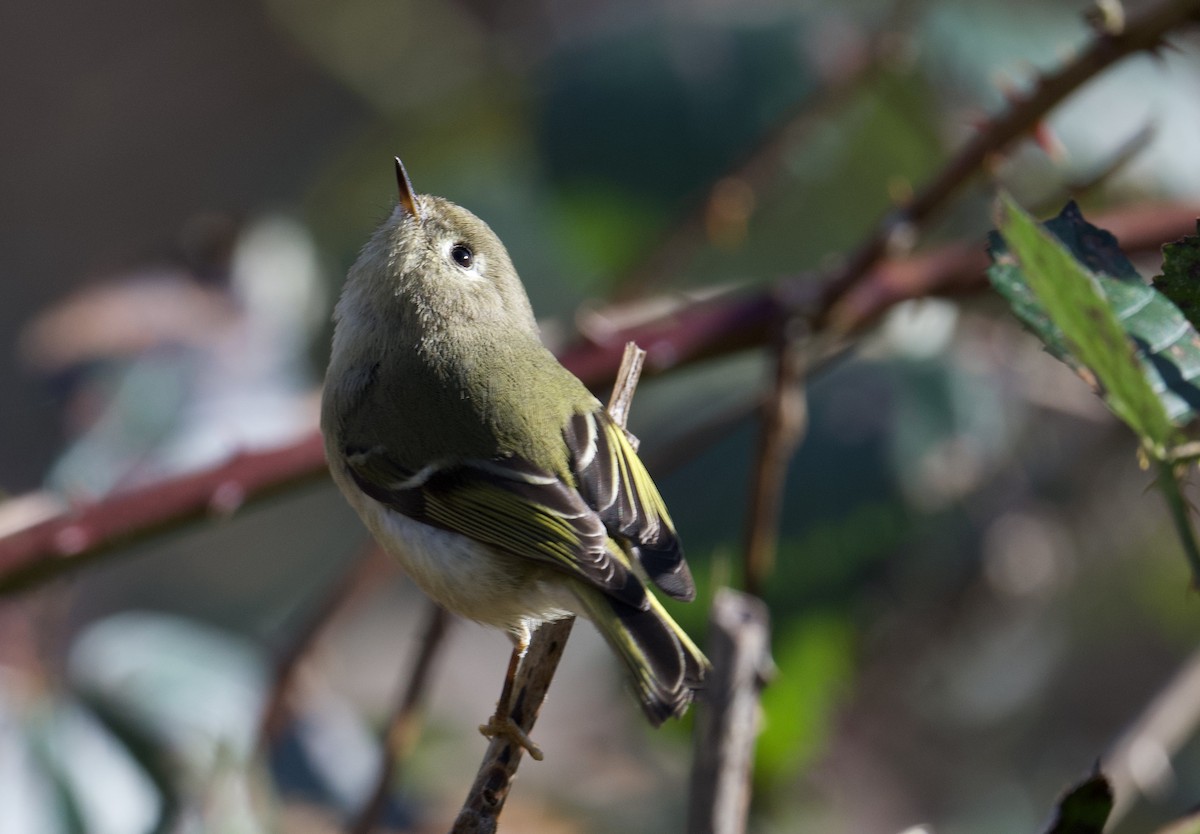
(408, 197)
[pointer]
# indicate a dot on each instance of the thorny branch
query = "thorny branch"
(75, 536)
(48, 547)
(846, 301)
(486, 798)
(1144, 31)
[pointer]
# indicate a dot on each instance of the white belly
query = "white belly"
(469, 578)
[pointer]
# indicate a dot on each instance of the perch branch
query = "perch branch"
(485, 801)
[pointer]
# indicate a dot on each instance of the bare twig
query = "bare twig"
(784, 418)
(621, 398)
(727, 723)
(1141, 32)
(481, 811)
(404, 724)
(58, 543)
(485, 801)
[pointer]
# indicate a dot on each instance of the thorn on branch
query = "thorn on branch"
(1106, 17)
(71, 540)
(227, 499)
(39, 548)
(1144, 32)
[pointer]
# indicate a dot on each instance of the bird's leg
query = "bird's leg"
(502, 723)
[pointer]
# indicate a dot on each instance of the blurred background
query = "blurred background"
(975, 596)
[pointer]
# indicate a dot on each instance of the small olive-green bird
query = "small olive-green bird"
(487, 468)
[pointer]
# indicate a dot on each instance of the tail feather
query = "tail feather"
(665, 666)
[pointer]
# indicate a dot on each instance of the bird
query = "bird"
(487, 469)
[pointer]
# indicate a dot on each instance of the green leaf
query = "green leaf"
(1085, 808)
(1078, 292)
(1180, 279)
(150, 753)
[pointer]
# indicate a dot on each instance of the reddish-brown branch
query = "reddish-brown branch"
(83, 533)
(1143, 31)
(959, 268)
(737, 321)
(714, 327)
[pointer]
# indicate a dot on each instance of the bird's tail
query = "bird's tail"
(664, 665)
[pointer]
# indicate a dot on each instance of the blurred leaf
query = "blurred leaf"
(71, 818)
(815, 660)
(1072, 285)
(603, 229)
(833, 554)
(377, 48)
(1085, 808)
(148, 751)
(634, 107)
(843, 161)
(1180, 279)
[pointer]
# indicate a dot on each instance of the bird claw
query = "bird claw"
(505, 727)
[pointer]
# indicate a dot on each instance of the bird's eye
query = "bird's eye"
(462, 255)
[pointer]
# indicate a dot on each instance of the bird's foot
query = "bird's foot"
(506, 727)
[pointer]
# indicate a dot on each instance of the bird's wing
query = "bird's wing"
(613, 482)
(509, 504)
